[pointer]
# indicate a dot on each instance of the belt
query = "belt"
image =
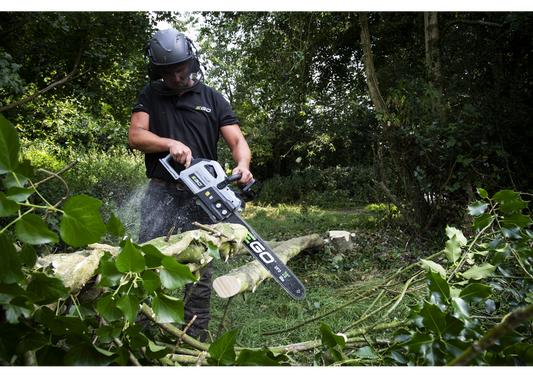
(173, 185)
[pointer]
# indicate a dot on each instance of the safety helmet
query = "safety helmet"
(169, 47)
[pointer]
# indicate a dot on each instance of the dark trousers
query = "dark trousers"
(161, 209)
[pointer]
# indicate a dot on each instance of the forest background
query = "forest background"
(412, 110)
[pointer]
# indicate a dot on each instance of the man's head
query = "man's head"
(172, 59)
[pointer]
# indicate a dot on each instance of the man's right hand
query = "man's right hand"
(180, 153)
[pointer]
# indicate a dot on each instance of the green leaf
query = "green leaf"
(518, 220)
(260, 358)
(509, 201)
(129, 304)
(86, 355)
(367, 353)
(479, 272)
(482, 221)
(63, 325)
(428, 265)
(152, 256)
(477, 208)
(7, 206)
(453, 249)
(16, 307)
(110, 276)
(130, 259)
(438, 287)
(107, 308)
(168, 309)
(330, 340)
(150, 281)
(451, 232)
(115, 226)
(32, 342)
(157, 352)
(212, 250)
(9, 146)
(31, 229)
(81, 223)
(10, 263)
(222, 351)
(482, 193)
(48, 289)
(175, 275)
(461, 308)
(13, 179)
(50, 356)
(475, 292)
(19, 194)
(28, 256)
(419, 343)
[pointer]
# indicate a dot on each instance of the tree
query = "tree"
(86, 66)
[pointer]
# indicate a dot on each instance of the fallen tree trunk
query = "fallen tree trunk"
(249, 276)
(78, 268)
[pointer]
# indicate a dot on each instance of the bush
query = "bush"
(334, 187)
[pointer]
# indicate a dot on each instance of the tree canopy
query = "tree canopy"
(434, 104)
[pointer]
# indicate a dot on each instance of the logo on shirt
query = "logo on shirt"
(203, 108)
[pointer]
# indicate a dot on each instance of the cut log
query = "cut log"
(249, 276)
(76, 269)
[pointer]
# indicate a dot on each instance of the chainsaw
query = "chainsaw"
(211, 186)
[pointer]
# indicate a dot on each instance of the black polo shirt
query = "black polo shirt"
(194, 118)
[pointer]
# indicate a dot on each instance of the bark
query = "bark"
(434, 66)
(249, 276)
(79, 268)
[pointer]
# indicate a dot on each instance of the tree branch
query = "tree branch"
(466, 22)
(511, 321)
(49, 87)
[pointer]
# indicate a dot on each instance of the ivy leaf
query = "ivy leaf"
(110, 276)
(260, 358)
(31, 229)
(32, 342)
(367, 353)
(48, 289)
(7, 206)
(16, 307)
(10, 263)
(9, 146)
(150, 281)
(50, 356)
(115, 226)
(157, 352)
(129, 304)
(19, 194)
(28, 256)
(86, 355)
(67, 325)
(130, 259)
(81, 223)
(222, 351)
(107, 308)
(212, 250)
(152, 256)
(175, 275)
(168, 309)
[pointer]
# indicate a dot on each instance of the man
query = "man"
(178, 114)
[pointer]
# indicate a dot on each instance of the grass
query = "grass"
(331, 278)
